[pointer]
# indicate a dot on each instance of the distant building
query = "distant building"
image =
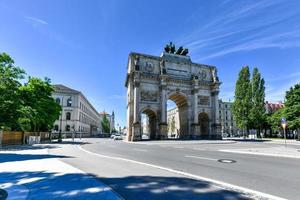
(78, 114)
(228, 125)
(111, 119)
(273, 107)
(173, 122)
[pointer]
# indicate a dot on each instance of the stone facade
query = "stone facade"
(78, 114)
(228, 125)
(152, 80)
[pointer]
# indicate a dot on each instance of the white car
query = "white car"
(118, 137)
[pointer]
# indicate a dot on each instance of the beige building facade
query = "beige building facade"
(153, 80)
(78, 114)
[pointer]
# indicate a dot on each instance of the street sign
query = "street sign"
(284, 124)
(283, 120)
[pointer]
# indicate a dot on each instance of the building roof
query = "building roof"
(272, 107)
(59, 88)
(64, 89)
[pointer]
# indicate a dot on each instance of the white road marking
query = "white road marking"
(201, 178)
(199, 157)
(143, 150)
(259, 153)
(199, 149)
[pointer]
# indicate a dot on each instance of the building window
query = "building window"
(68, 116)
(67, 127)
(56, 127)
(57, 100)
(69, 102)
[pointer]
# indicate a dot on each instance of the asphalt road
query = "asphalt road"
(271, 175)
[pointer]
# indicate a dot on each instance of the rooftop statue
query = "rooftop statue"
(170, 48)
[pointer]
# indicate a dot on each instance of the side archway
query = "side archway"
(148, 124)
(204, 124)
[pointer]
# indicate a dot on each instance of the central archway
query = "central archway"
(177, 116)
(149, 124)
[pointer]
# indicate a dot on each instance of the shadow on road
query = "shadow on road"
(45, 185)
(52, 145)
(161, 188)
(13, 157)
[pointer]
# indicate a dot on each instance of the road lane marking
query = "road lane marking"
(259, 153)
(217, 183)
(199, 157)
(143, 150)
(199, 149)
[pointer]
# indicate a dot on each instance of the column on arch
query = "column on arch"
(163, 126)
(136, 127)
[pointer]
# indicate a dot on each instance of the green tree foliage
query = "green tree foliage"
(243, 101)
(292, 107)
(28, 107)
(274, 120)
(257, 115)
(105, 124)
(9, 95)
(43, 111)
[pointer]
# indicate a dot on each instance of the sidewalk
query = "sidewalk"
(272, 151)
(33, 173)
(173, 142)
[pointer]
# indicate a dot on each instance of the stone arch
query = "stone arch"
(152, 122)
(203, 119)
(181, 101)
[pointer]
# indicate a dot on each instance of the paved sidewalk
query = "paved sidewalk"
(173, 142)
(272, 151)
(33, 173)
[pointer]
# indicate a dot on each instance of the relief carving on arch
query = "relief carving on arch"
(147, 95)
(203, 100)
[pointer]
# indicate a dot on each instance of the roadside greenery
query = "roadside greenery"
(105, 124)
(290, 111)
(28, 106)
(249, 105)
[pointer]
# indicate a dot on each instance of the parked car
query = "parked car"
(118, 137)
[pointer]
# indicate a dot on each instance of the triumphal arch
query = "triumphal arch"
(152, 80)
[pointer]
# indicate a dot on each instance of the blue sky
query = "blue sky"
(85, 44)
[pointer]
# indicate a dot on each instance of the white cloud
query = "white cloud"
(35, 20)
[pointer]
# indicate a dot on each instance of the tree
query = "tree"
(243, 101)
(105, 124)
(38, 104)
(292, 108)
(9, 93)
(257, 114)
(275, 118)
(28, 107)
